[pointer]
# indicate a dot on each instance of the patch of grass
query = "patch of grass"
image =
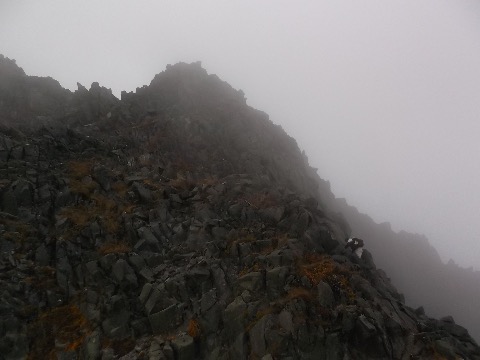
(17, 226)
(296, 293)
(108, 212)
(127, 208)
(208, 181)
(64, 324)
(434, 354)
(102, 209)
(79, 169)
(153, 184)
(300, 293)
(114, 248)
(319, 270)
(44, 278)
(104, 203)
(266, 311)
(267, 250)
(17, 231)
(246, 239)
(183, 165)
(241, 238)
(181, 183)
(13, 236)
(281, 239)
(261, 200)
(120, 188)
(249, 269)
(323, 268)
(26, 312)
(260, 313)
(79, 216)
(156, 137)
(84, 188)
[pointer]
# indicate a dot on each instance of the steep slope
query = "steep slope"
(178, 223)
(417, 271)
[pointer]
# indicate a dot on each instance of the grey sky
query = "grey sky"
(384, 96)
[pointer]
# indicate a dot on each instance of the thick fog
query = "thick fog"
(384, 96)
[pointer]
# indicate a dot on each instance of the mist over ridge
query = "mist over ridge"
(168, 204)
(390, 87)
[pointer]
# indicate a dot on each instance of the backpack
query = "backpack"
(358, 242)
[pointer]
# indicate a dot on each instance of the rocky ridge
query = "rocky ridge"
(179, 223)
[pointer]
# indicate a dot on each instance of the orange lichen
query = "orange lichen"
(84, 188)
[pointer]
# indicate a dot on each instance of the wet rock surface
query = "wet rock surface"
(182, 224)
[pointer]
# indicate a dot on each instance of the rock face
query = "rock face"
(182, 224)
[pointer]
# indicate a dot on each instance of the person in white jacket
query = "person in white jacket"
(356, 245)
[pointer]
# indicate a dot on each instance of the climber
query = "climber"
(356, 245)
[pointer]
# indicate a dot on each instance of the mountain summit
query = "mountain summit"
(180, 223)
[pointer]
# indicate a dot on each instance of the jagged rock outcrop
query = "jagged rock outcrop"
(31, 102)
(182, 224)
(27, 100)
